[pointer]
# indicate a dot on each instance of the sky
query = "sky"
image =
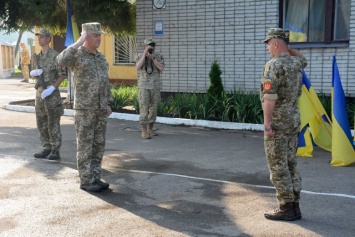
(12, 38)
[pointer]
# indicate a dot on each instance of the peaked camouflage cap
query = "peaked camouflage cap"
(149, 41)
(92, 28)
(273, 33)
(44, 32)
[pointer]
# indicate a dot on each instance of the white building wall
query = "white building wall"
(197, 32)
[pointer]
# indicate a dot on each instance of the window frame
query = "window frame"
(328, 29)
(130, 47)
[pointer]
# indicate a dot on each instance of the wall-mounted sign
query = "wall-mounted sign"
(159, 4)
(159, 27)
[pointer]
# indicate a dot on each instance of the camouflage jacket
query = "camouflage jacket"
(152, 80)
(51, 71)
(282, 81)
(91, 82)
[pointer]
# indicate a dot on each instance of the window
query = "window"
(316, 21)
(125, 49)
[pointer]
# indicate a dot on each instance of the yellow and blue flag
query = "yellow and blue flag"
(72, 34)
(296, 33)
(314, 117)
(305, 144)
(343, 153)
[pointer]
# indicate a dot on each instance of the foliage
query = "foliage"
(216, 88)
(64, 83)
(326, 101)
(115, 16)
(236, 106)
(123, 95)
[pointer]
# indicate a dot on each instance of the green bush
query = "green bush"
(216, 90)
(123, 95)
(236, 106)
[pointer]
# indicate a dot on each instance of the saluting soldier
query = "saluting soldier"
(92, 103)
(281, 85)
(49, 107)
(149, 64)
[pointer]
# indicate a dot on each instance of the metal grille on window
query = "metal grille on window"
(125, 49)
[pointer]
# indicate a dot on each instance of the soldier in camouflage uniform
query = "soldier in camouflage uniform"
(25, 61)
(49, 107)
(281, 85)
(149, 65)
(91, 103)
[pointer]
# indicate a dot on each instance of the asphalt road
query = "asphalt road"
(188, 181)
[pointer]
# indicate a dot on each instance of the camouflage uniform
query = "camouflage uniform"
(50, 109)
(149, 86)
(282, 80)
(92, 97)
(25, 61)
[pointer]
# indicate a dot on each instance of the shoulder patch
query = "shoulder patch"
(267, 85)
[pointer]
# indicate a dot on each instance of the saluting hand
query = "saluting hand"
(81, 40)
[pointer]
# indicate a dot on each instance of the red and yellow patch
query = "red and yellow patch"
(267, 86)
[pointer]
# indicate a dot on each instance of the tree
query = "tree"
(115, 16)
(215, 91)
(216, 88)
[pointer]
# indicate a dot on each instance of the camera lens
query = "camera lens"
(150, 51)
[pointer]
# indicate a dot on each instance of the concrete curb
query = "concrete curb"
(164, 120)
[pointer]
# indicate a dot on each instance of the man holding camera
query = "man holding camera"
(149, 65)
(49, 107)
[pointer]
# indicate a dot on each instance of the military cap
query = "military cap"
(44, 32)
(149, 41)
(273, 33)
(92, 28)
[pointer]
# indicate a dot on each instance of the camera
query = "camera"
(150, 50)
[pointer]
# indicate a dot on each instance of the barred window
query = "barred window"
(316, 21)
(125, 49)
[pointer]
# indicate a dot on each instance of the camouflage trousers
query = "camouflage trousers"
(48, 124)
(148, 105)
(25, 73)
(90, 128)
(281, 159)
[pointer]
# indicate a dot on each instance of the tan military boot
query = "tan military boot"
(150, 130)
(145, 134)
(283, 213)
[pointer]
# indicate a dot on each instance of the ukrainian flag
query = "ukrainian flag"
(305, 145)
(343, 153)
(296, 33)
(314, 117)
(72, 34)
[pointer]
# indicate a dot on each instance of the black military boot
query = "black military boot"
(103, 184)
(42, 154)
(283, 213)
(93, 187)
(54, 155)
(297, 210)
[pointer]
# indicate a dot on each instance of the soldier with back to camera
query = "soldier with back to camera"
(281, 85)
